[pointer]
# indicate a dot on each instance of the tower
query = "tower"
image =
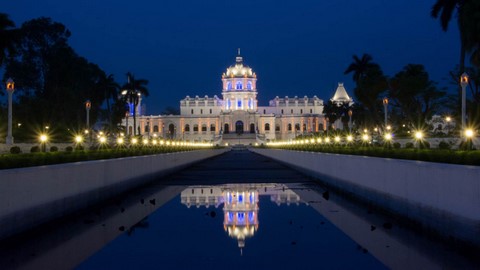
(239, 87)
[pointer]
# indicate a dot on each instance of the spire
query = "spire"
(239, 58)
(341, 95)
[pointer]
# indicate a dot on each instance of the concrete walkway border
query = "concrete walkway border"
(32, 196)
(442, 197)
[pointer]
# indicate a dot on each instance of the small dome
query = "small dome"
(239, 70)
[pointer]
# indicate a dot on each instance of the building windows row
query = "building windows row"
(201, 111)
(196, 127)
(301, 111)
(239, 85)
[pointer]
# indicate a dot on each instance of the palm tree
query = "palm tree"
(134, 88)
(110, 88)
(359, 67)
(444, 10)
(7, 36)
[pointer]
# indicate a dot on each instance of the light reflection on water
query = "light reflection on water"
(234, 226)
(264, 225)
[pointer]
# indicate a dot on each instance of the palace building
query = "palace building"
(236, 116)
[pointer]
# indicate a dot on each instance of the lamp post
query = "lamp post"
(350, 120)
(10, 89)
(88, 105)
(127, 113)
(464, 83)
(385, 106)
(448, 119)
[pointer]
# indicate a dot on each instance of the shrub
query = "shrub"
(54, 149)
(397, 145)
(444, 145)
(409, 145)
(79, 148)
(424, 145)
(68, 149)
(15, 150)
(35, 149)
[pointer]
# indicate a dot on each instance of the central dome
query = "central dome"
(239, 70)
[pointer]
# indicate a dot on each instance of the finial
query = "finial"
(238, 51)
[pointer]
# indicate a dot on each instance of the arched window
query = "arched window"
(192, 111)
(267, 127)
(204, 128)
(187, 128)
(195, 128)
(297, 127)
(282, 111)
(201, 111)
(147, 128)
(249, 85)
(239, 104)
(264, 111)
(212, 127)
(311, 111)
(304, 127)
(155, 128)
(229, 104)
(289, 127)
(291, 111)
(229, 85)
(210, 111)
(277, 128)
(238, 86)
(301, 111)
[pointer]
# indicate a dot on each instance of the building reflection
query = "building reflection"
(240, 204)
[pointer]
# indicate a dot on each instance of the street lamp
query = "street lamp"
(43, 141)
(448, 119)
(464, 83)
(385, 106)
(88, 105)
(350, 121)
(10, 88)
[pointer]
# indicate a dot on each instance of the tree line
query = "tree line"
(53, 82)
(412, 96)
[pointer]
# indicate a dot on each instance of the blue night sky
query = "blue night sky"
(295, 47)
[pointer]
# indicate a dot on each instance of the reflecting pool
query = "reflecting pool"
(236, 211)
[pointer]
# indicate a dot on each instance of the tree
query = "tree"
(171, 111)
(359, 67)
(133, 89)
(110, 89)
(52, 81)
(7, 37)
(468, 19)
(415, 94)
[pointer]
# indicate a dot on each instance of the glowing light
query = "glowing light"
(327, 140)
(388, 137)
(448, 119)
(312, 140)
(365, 137)
(226, 144)
(418, 135)
(389, 127)
(43, 138)
(145, 141)
(154, 142)
(134, 141)
(349, 138)
(319, 140)
(375, 129)
(469, 133)
(120, 141)
(365, 130)
(337, 139)
(78, 139)
(86, 131)
(102, 139)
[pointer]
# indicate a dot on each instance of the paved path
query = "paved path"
(237, 166)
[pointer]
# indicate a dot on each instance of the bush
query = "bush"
(444, 145)
(35, 149)
(409, 145)
(15, 150)
(397, 145)
(466, 145)
(53, 149)
(424, 145)
(69, 149)
(79, 148)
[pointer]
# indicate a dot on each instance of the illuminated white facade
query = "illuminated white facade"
(236, 116)
(240, 204)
